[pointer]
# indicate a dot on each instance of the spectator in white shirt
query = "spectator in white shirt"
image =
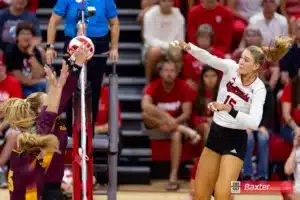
(270, 23)
(162, 24)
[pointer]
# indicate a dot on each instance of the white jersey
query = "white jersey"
(297, 171)
(247, 100)
(160, 29)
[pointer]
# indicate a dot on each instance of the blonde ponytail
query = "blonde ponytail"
(21, 113)
(279, 49)
(33, 144)
(17, 112)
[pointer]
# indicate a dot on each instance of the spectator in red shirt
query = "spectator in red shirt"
(270, 71)
(101, 130)
(192, 67)
(166, 105)
(218, 16)
(290, 100)
(9, 87)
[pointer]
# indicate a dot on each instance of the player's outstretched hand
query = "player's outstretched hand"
(51, 76)
(81, 55)
(181, 44)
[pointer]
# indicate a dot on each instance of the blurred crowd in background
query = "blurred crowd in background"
(177, 83)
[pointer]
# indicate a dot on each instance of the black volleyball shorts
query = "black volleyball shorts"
(227, 141)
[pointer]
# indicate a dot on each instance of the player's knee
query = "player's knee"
(201, 195)
(222, 193)
(154, 53)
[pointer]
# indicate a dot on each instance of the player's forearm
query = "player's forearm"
(4, 125)
(250, 121)
(207, 58)
(51, 31)
(153, 110)
(69, 87)
(275, 75)
(37, 69)
(290, 164)
(291, 123)
(182, 118)
(9, 145)
(115, 34)
(54, 96)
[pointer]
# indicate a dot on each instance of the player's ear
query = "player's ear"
(256, 67)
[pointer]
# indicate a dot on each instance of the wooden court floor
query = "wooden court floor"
(126, 195)
(156, 191)
(161, 196)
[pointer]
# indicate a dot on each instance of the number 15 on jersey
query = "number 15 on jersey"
(230, 101)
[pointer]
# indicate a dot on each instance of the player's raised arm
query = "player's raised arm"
(204, 56)
(55, 87)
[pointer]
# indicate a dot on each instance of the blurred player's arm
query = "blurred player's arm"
(4, 125)
(36, 68)
(286, 114)
(52, 26)
(10, 144)
(275, 75)
(114, 25)
(290, 164)
(24, 80)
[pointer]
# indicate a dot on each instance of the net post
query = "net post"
(113, 135)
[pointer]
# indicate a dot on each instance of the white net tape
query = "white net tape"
(83, 76)
(82, 150)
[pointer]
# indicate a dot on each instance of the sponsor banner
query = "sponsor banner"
(259, 187)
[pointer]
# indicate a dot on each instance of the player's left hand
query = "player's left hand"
(263, 131)
(217, 107)
(51, 76)
(113, 54)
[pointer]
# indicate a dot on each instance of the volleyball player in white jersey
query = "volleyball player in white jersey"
(239, 106)
(292, 166)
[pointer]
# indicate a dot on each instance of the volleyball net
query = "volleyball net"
(83, 143)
